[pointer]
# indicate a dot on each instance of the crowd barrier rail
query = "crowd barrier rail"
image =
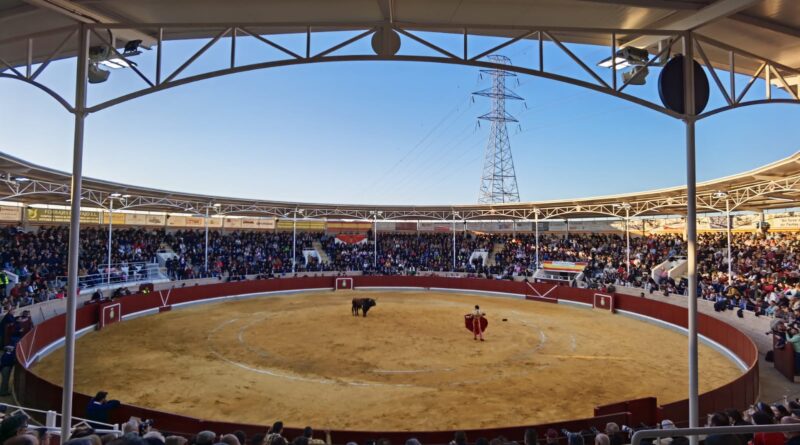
(36, 392)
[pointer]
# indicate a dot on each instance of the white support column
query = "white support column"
(628, 241)
(74, 230)
(375, 244)
(454, 241)
(110, 224)
(294, 242)
(691, 228)
(728, 226)
(206, 248)
(536, 235)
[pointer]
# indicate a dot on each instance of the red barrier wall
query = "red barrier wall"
(35, 392)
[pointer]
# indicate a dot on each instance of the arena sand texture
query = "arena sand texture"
(410, 365)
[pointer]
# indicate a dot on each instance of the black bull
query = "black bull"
(362, 304)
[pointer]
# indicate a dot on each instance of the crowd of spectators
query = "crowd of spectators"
(764, 266)
(16, 430)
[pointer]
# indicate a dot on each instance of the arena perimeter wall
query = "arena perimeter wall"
(33, 391)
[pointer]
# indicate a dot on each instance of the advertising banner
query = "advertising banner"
(348, 226)
(176, 221)
(783, 221)
(156, 220)
(387, 226)
(59, 216)
(11, 214)
(195, 222)
(265, 223)
(135, 219)
(405, 226)
(286, 224)
(117, 219)
(233, 223)
(564, 266)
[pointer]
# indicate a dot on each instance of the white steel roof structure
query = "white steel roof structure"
(736, 42)
(773, 186)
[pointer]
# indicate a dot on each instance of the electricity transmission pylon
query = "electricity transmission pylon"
(499, 179)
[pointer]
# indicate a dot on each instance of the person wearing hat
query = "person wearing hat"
(477, 331)
(7, 361)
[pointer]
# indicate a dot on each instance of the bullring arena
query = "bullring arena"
(303, 358)
(136, 315)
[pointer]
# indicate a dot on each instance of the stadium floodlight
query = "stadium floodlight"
(126, 196)
(20, 179)
(115, 195)
(625, 57)
(110, 58)
(619, 61)
(719, 195)
(217, 205)
(629, 57)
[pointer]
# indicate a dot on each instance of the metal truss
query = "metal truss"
(711, 201)
(605, 82)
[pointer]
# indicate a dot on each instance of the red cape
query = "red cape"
(468, 323)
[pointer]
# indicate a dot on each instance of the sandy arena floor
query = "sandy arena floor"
(410, 365)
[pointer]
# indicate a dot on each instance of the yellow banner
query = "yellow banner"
(564, 266)
(59, 216)
(286, 224)
(117, 219)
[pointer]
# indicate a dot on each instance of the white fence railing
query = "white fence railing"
(52, 421)
(123, 273)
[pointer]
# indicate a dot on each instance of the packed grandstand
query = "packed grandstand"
(764, 268)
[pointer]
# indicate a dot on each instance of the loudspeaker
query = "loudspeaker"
(670, 86)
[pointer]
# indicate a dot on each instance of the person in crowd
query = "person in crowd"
(274, 436)
(762, 418)
(551, 438)
(205, 438)
(602, 439)
(176, 440)
(459, 438)
(721, 419)
(531, 438)
(230, 439)
(99, 408)
(308, 433)
(7, 361)
(14, 425)
(792, 438)
(614, 434)
(23, 439)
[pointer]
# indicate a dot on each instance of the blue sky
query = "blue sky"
(377, 132)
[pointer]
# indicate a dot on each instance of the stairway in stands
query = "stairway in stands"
(323, 256)
(497, 248)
